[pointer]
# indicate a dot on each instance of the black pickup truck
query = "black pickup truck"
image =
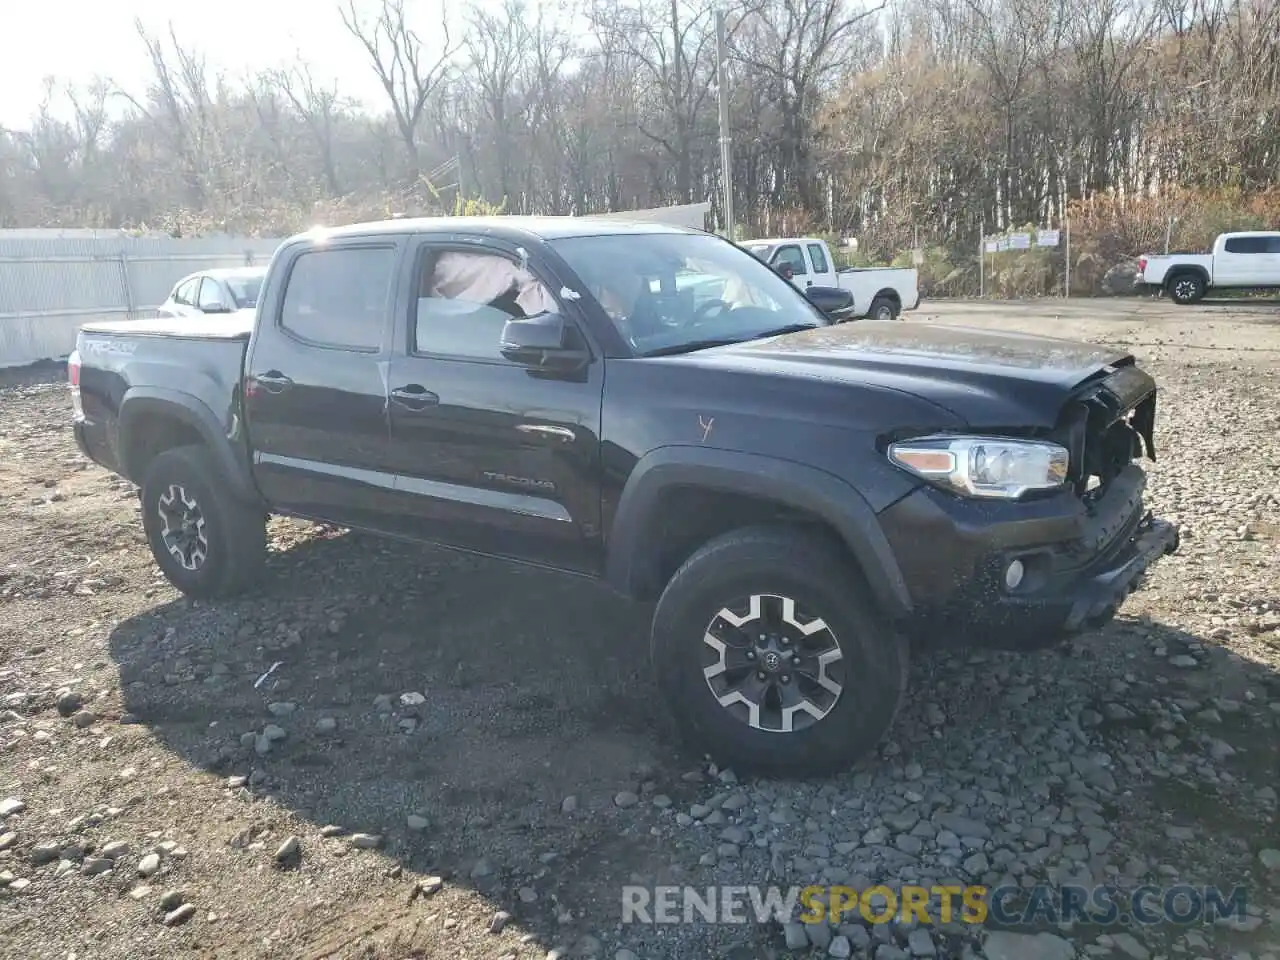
(656, 408)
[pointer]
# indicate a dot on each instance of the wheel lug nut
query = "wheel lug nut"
(751, 655)
(760, 676)
(786, 678)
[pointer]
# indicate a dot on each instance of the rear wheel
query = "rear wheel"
(772, 657)
(882, 308)
(1186, 288)
(206, 542)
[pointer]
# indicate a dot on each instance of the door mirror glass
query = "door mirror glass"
(835, 302)
(543, 340)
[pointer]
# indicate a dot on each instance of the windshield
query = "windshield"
(244, 289)
(667, 290)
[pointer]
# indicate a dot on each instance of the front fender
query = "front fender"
(631, 550)
(141, 403)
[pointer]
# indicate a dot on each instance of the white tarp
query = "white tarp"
(680, 215)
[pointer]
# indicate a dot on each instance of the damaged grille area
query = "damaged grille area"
(1106, 426)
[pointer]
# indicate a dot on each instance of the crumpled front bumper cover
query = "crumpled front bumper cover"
(1081, 565)
(1098, 597)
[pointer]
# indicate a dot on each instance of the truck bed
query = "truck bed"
(229, 326)
(189, 363)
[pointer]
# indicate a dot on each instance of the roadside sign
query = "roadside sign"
(1019, 241)
(1002, 245)
(991, 246)
(1047, 238)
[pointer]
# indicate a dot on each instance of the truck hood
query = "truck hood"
(985, 378)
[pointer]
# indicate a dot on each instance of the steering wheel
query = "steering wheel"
(704, 312)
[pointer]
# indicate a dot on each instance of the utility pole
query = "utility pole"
(1067, 284)
(982, 258)
(726, 143)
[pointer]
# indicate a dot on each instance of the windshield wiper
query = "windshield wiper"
(789, 328)
(693, 345)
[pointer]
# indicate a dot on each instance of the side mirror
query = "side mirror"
(835, 302)
(541, 341)
(215, 308)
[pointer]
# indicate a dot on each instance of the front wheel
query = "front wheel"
(1186, 288)
(206, 542)
(882, 308)
(772, 657)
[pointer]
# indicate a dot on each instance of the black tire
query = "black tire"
(814, 573)
(1186, 288)
(234, 536)
(882, 308)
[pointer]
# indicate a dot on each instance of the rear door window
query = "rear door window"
(340, 297)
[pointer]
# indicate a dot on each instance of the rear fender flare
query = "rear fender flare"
(1178, 270)
(141, 402)
(633, 549)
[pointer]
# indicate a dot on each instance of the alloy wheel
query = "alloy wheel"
(771, 665)
(183, 527)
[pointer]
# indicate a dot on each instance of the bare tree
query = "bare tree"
(796, 48)
(1109, 38)
(672, 43)
(923, 125)
(179, 107)
(317, 106)
(499, 49)
(396, 55)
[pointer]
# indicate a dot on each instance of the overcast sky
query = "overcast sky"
(74, 40)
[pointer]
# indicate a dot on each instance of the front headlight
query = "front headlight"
(984, 466)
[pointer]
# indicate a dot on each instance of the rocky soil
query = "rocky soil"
(391, 752)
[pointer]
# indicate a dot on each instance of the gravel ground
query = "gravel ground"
(393, 752)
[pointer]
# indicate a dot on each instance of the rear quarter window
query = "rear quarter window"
(340, 297)
(1247, 245)
(185, 292)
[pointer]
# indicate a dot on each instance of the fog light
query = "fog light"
(1013, 574)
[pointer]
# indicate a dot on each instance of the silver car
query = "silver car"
(223, 290)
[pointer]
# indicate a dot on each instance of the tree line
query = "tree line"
(915, 122)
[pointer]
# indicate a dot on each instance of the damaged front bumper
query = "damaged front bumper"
(1097, 598)
(1077, 562)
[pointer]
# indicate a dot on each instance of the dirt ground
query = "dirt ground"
(390, 714)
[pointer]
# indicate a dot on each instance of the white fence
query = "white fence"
(52, 281)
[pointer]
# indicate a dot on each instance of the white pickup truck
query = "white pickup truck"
(878, 292)
(1238, 261)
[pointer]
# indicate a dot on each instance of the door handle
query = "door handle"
(808, 283)
(563, 434)
(414, 396)
(273, 381)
